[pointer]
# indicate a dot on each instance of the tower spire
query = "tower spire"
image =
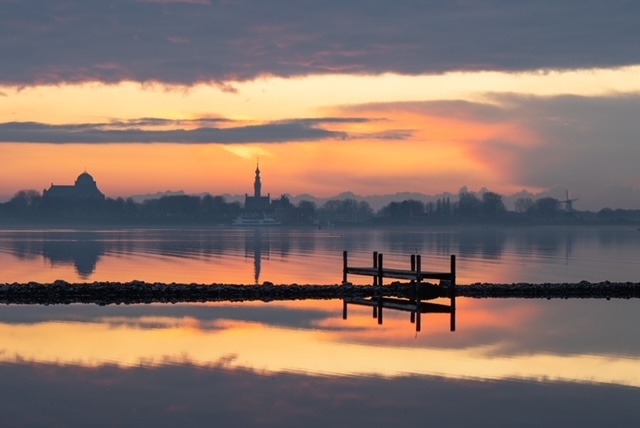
(257, 185)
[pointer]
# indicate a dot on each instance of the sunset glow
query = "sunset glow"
(408, 136)
(127, 343)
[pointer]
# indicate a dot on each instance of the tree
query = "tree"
(364, 212)
(545, 207)
(24, 203)
(468, 204)
(443, 207)
(178, 206)
(346, 210)
(404, 210)
(492, 205)
(522, 205)
(307, 211)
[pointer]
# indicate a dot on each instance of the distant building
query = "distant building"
(257, 202)
(85, 188)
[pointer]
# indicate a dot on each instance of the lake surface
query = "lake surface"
(286, 255)
(507, 362)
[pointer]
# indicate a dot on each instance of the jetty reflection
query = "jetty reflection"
(415, 307)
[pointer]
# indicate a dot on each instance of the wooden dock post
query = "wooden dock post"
(413, 298)
(344, 309)
(452, 317)
(380, 269)
(418, 268)
(375, 266)
(418, 322)
(452, 287)
(344, 267)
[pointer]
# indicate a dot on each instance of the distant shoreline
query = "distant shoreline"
(372, 226)
(139, 292)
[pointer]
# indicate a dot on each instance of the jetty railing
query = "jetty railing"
(415, 274)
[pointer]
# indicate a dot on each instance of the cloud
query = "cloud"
(200, 131)
(586, 144)
(187, 41)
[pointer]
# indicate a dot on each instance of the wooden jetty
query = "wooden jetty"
(415, 274)
(417, 289)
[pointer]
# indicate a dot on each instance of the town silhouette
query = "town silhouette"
(84, 203)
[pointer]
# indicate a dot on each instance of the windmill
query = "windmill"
(568, 203)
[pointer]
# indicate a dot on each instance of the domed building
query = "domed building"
(85, 188)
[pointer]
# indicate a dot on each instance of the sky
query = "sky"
(372, 97)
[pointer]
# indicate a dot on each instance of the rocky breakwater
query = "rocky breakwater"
(106, 293)
(583, 290)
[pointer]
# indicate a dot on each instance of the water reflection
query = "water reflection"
(81, 249)
(36, 394)
(522, 339)
(257, 246)
(292, 363)
(83, 254)
(288, 255)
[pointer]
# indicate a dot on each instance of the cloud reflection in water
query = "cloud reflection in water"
(293, 363)
(512, 349)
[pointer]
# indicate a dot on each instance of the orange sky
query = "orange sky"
(444, 134)
(433, 154)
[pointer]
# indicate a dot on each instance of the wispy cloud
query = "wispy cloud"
(187, 41)
(155, 130)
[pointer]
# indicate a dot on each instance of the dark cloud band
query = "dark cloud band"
(187, 41)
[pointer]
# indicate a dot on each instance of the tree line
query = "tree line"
(28, 206)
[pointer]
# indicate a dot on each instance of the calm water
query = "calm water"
(509, 362)
(284, 255)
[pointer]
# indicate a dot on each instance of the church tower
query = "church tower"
(257, 185)
(257, 202)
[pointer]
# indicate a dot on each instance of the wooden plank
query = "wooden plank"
(401, 305)
(398, 273)
(436, 308)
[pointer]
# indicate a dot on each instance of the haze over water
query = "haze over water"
(308, 255)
